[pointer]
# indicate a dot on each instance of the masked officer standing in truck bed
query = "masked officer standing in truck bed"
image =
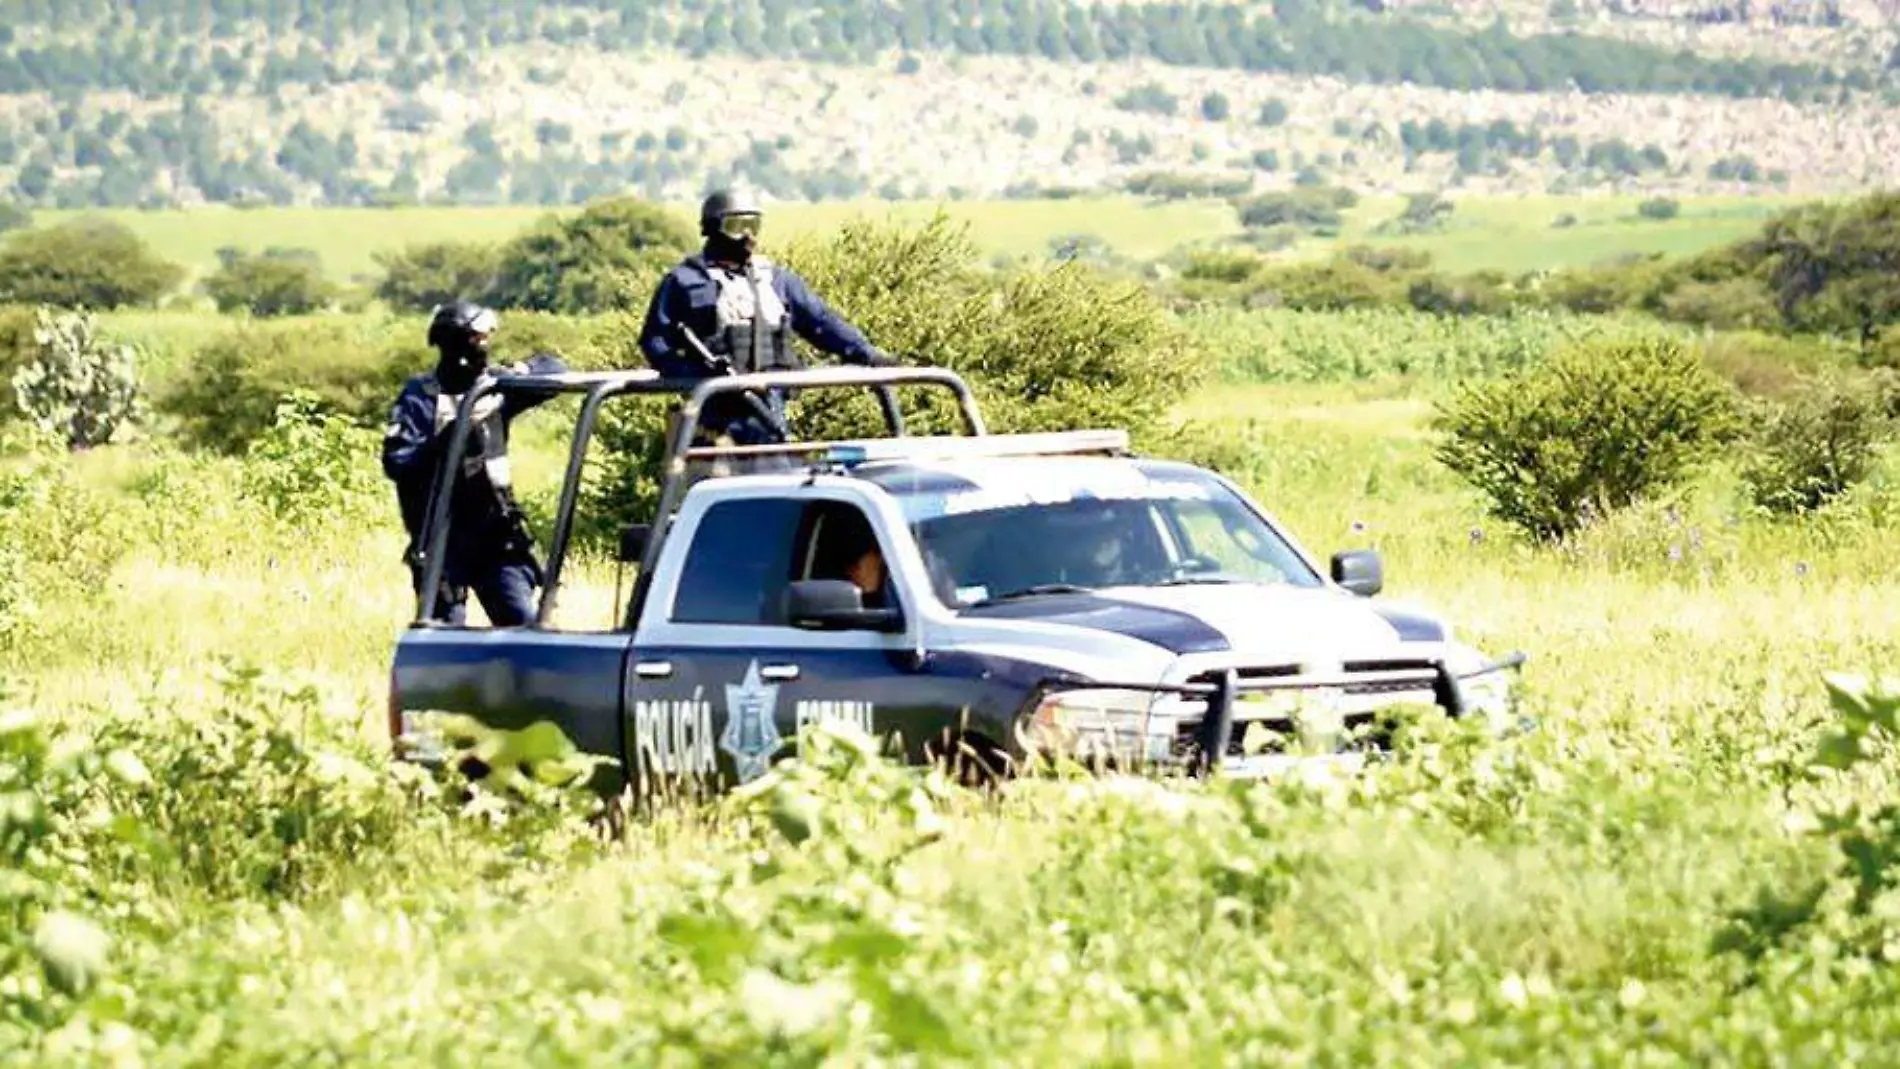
(490, 550)
(742, 308)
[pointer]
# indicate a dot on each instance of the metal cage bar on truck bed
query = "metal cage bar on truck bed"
(598, 386)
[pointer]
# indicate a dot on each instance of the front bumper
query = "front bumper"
(1264, 722)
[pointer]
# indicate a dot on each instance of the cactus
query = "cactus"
(78, 387)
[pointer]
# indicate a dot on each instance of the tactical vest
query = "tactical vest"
(751, 321)
(487, 479)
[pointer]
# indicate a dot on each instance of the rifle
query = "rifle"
(721, 366)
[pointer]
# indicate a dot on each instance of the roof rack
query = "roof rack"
(849, 452)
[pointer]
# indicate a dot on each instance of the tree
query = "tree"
(87, 262)
(420, 277)
(598, 260)
(278, 282)
(1273, 112)
(1215, 108)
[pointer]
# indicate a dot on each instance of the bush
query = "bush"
(1817, 444)
(1315, 208)
(59, 541)
(605, 258)
(17, 349)
(352, 368)
(88, 262)
(420, 277)
(1766, 365)
(77, 387)
(1331, 285)
(1732, 304)
(311, 466)
(1658, 208)
(1598, 426)
(349, 367)
(14, 217)
(274, 283)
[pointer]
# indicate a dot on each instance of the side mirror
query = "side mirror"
(633, 542)
(835, 605)
(1359, 571)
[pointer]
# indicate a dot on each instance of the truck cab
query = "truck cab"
(970, 597)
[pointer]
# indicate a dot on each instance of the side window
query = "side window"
(836, 541)
(738, 564)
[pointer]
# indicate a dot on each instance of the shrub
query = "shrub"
(1816, 445)
(1659, 208)
(420, 277)
(274, 283)
(76, 386)
(1331, 285)
(310, 465)
(1313, 207)
(14, 217)
(1215, 107)
(607, 257)
(1765, 365)
(1598, 426)
(88, 262)
(17, 349)
(351, 367)
(58, 543)
(1732, 304)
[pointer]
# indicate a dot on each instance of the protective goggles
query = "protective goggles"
(741, 224)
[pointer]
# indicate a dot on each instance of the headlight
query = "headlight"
(1103, 723)
(1490, 697)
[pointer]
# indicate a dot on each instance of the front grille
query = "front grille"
(1280, 730)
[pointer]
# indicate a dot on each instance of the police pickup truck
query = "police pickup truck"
(962, 597)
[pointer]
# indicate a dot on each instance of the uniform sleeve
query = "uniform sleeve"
(814, 321)
(539, 364)
(660, 339)
(410, 444)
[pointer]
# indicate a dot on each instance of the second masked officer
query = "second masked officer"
(742, 308)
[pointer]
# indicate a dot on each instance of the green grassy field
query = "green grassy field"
(1558, 896)
(1513, 234)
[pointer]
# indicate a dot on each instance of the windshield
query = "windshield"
(1167, 532)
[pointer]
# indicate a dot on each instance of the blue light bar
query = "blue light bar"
(846, 455)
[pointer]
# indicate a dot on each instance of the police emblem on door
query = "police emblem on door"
(751, 737)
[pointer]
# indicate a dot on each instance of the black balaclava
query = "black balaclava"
(460, 333)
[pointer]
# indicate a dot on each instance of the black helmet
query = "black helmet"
(459, 323)
(723, 204)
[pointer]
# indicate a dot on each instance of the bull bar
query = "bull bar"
(1214, 734)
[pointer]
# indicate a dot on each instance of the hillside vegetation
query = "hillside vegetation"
(561, 101)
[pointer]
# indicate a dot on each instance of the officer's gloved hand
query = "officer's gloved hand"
(876, 357)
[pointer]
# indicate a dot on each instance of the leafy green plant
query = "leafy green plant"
(88, 262)
(605, 257)
(1854, 905)
(417, 278)
(1596, 427)
(1817, 444)
(311, 467)
(271, 283)
(77, 385)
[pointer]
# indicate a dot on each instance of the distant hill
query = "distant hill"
(155, 102)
